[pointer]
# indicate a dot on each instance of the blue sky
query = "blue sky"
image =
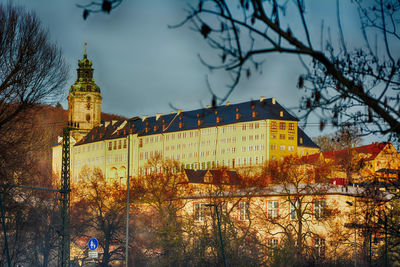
(143, 67)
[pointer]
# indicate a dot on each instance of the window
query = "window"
(273, 146)
(273, 125)
(199, 212)
(243, 127)
(273, 135)
(125, 143)
(243, 138)
(223, 208)
(290, 148)
(141, 142)
(256, 125)
(109, 145)
(244, 211)
(294, 206)
(272, 245)
(319, 209)
(282, 136)
(272, 242)
(282, 148)
(291, 126)
(119, 144)
(282, 126)
(319, 245)
(291, 137)
(272, 209)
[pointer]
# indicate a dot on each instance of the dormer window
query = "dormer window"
(218, 120)
(281, 113)
(237, 116)
(253, 114)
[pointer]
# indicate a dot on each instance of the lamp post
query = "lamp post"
(127, 206)
(219, 230)
(355, 229)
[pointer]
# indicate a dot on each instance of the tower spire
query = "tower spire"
(84, 54)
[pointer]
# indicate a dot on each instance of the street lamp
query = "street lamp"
(355, 229)
(219, 229)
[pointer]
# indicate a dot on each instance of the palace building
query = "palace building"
(233, 135)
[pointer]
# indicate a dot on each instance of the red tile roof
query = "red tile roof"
(372, 150)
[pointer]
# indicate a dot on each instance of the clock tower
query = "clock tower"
(84, 100)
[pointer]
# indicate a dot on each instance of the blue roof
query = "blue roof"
(196, 119)
(306, 139)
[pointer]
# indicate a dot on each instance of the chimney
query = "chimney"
(262, 98)
(208, 106)
(273, 101)
(158, 115)
(179, 111)
(228, 103)
(144, 117)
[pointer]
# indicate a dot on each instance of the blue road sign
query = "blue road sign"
(93, 244)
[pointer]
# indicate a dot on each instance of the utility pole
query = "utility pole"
(127, 205)
(64, 254)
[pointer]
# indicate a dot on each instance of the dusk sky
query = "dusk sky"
(143, 67)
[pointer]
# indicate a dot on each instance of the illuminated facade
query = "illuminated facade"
(278, 212)
(233, 135)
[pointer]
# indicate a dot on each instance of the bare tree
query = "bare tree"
(32, 71)
(346, 137)
(342, 84)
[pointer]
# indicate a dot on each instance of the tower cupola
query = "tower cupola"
(84, 81)
(84, 99)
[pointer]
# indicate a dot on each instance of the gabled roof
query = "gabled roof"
(371, 150)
